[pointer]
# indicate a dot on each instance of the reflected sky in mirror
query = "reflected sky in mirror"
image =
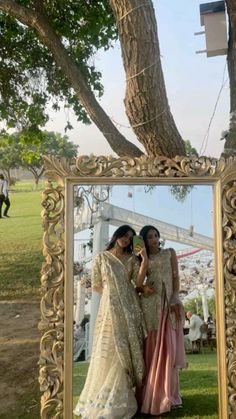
(194, 213)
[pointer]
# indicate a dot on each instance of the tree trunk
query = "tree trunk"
(38, 21)
(230, 143)
(146, 100)
(37, 175)
(36, 182)
(8, 175)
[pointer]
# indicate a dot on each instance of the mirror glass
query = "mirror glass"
(185, 225)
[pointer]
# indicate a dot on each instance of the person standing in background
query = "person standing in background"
(4, 198)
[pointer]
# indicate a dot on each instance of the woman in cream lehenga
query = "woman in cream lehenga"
(116, 368)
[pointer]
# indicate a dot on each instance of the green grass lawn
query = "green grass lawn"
(198, 385)
(27, 186)
(21, 245)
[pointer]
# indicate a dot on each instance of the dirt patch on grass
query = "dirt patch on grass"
(19, 355)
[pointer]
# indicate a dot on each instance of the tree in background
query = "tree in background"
(35, 145)
(211, 307)
(46, 54)
(25, 150)
(195, 305)
(9, 153)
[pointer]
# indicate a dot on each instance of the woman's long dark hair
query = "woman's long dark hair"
(121, 232)
(144, 232)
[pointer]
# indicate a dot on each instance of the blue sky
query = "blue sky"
(162, 205)
(192, 80)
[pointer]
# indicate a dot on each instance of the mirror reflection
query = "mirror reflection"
(144, 307)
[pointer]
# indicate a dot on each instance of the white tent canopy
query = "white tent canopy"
(117, 216)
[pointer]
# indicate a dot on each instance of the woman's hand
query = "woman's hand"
(177, 309)
(98, 289)
(142, 267)
(147, 290)
(142, 252)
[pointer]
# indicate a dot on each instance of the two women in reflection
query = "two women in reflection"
(117, 367)
(164, 315)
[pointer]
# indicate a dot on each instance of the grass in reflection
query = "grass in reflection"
(199, 387)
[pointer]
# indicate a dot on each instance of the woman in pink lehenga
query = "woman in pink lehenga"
(164, 314)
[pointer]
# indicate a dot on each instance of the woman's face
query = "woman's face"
(125, 240)
(152, 240)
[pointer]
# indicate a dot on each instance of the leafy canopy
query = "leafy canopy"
(26, 149)
(30, 80)
(9, 152)
(32, 148)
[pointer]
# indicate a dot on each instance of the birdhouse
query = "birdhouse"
(213, 18)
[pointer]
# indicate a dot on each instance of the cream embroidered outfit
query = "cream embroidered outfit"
(159, 276)
(117, 364)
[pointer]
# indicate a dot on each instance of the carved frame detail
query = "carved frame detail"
(179, 170)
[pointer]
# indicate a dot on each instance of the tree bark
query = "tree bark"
(146, 100)
(37, 175)
(37, 20)
(8, 171)
(230, 143)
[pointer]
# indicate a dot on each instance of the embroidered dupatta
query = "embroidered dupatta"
(127, 320)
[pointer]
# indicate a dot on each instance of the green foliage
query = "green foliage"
(9, 152)
(30, 80)
(26, 149)
(190, 151)
(34, 145)
(195, 305)
(180, 192)
(212, 307)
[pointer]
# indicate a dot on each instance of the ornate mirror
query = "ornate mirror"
(99, 187)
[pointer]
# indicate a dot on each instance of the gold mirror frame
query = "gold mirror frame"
(56, 324)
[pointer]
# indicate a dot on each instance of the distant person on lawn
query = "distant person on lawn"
(194, 330)
(4, 198)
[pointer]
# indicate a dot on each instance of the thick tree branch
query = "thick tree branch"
(146, 99)
(38, 22)
(38, 4)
